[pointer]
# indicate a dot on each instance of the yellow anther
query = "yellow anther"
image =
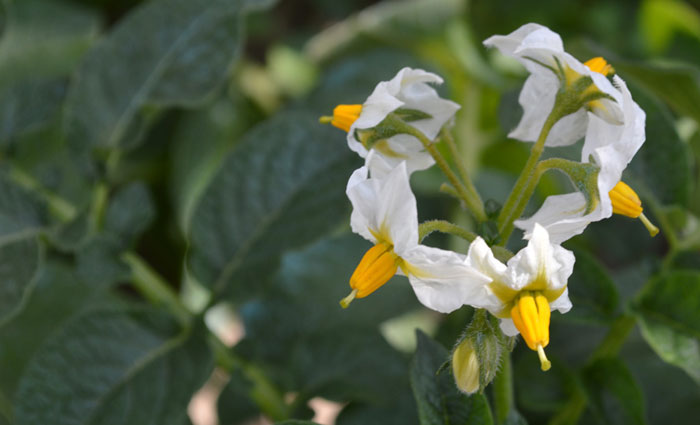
(343, 116)
(377, 266)
(600, 65)
(626, 202)
(531, 316)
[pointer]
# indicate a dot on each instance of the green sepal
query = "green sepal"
(583, 175)
(376, 137)
(410, 115)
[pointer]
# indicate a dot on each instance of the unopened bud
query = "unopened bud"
(476, 358)
(465, 367)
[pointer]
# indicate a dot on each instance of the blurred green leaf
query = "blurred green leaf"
(326, 351)
(27, 105)
(57, 296)
(44, 40)
(660, 19)
(614, 395)
(439, 401)
(194, 163)
(541, 392)
(21, 221)
(132, 365)
(662, 163)
(400, 410)
(677, 84)
(592, 291)
(129, 213)
(668, 312)
(235, 405)
(403, 23)
(165, 52)
(282, 187)
(295, 422)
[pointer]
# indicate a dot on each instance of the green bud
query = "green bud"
(465, 367)
(477, 356)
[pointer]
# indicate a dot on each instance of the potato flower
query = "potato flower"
(409, 96)
(552, 70)
(523, 292)
(384, 213)
(611, 148)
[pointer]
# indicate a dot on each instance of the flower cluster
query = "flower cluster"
(396, 131)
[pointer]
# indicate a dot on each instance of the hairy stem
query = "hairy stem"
(503, 389)
(506, 217)
(473, 202)
(428, 227)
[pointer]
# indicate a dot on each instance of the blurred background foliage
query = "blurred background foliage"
(163, 178)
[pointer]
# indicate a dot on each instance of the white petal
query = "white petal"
(537, 100)
(363, 196)
(410, 89)
(529, 37)
(444, 282)
(561, 215)
(563, 303)
(396, 209)
(508, 327)
(383, 204)
(540, 258)
(481, 258)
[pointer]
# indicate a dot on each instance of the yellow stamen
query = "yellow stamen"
(377, 266)
(600, 65)
(343, 116)
(626, 202)
(531, 317)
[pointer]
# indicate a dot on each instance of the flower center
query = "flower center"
(343, 116)
(377, 266)
(600, 65)
(626, 202)
(531, 315)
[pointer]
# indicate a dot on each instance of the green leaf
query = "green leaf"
(166, 52)
(44, 40)
(668, 312)
(27, 105)
(662, 164)
(235, 405)
(592, 291)
(331, 352)
(615, 396)
(194, 164)
(57, 296)
(439, 401)
(281, 188)
(295, 422)
(130, 213)
(21, 221)
(134, 367)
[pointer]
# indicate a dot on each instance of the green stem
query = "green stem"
(154, 288)
(503, 390)
(428, 227)
(264, 393)
(61, 208)
(541, 168)
(98, 207)
(505, 218)
(473, 203)
(461, 168)
(448, 189)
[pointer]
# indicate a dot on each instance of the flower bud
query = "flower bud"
(476, 358)
(465, 367)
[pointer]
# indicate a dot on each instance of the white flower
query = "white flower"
(523, 292)
(409, 89)
(610, 147)
(538, 48)
(384, 213)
